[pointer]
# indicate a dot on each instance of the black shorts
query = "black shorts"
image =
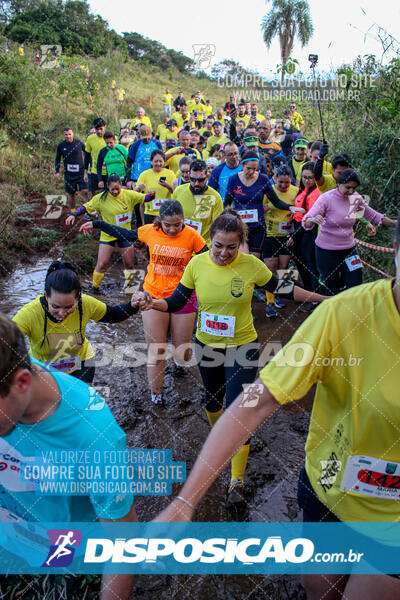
(73, 185)
(256, 237)
(94, 182)
(275, 246)
(118, 243)
(315, 511)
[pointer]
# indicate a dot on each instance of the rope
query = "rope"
(374, 247)
(375, 269)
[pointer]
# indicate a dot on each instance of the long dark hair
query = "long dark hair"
(169, 208)
(62, 277)
(113, 178)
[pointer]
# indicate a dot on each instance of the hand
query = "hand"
(177, 511)
(180, 150)
(85, 177)
(147, 302)
(233, 114)
(129, 185)
(266, 208)
(318, 220)
(86, 228)
(101, 184)
(70, 220)
(136, 299)
(295, 209)
(323, 151)
(289, 242)
(57, 176)
(140, 187)
(371, 230)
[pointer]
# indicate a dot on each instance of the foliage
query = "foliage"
(68, 24)
(82, 253)
(287, 20)
(152, 52)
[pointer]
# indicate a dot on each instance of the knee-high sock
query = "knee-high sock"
(97, 278)
(239, 462)
(269, 297)
(213, 417)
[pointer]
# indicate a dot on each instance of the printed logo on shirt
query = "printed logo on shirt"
(62, 547)
(237, 287)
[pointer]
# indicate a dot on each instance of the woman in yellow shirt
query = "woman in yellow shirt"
(158, 180)
(227, 349)
(116, 207)
(55, 323)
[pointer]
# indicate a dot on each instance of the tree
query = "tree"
(287, 19)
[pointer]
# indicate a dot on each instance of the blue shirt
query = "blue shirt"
(82, 421)
(142, 156)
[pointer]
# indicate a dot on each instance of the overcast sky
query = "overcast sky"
(340, 28)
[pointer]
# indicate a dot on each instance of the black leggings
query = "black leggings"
(303, 252)
(335, 273)
(224, 371)
(85, 374)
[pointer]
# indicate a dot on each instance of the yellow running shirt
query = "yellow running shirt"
(199, 210)
(278, 221)
(116, 210)
(144, 121)
(94, 144)
(351, 353)
(329, 184)
(174, 160)
(213, 139)
(224, 296)
(63, 340)
(151, 179)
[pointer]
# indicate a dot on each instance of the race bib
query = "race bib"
(217, 324)
(157, 203)
(197, 225)
(11, 463)
(353, 262)
(73, 168)
(123, 218)
(372, 477)
(249, 216)
(284, 227)
(67, 365)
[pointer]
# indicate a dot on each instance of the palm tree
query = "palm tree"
(287, 19)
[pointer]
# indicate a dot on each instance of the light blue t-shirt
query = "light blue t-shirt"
(142, 158)
(81, 421)
(224, 178)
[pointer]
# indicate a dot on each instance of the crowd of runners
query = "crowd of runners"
(229, 203)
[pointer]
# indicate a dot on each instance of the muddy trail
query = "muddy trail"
(277, 448)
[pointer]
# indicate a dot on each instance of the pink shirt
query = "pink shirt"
(339, 214)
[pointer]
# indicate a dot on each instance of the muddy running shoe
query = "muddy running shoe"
(236, 502)
(178, 370)
(279, 303)
(270, 310)
(157, 399)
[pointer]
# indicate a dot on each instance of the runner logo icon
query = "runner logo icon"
(61, 551)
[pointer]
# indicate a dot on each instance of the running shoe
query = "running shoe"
(270, 310)
(279, 303)
(236, 502)
(259, 295)
(157, 399)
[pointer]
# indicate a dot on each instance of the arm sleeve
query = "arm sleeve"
(233, 133)
(178, 299)
(272, 197)
(319, 168)
(373, 215)
(58, 160)
(100, 160)
(213, 181)
(86, 159)
(229, 195)
(127, 235)
(116, 314)
(281, 287)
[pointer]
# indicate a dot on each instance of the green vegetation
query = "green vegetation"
(82, 253)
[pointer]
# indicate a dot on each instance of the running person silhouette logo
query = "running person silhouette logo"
(62, 542)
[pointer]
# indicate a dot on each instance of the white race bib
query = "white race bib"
(221, 325)
(197, 225)
(372, 477)
(67, 365)
(249, 216)
(11, 463)
(123, 218)
(73, 168)
(353, 262)
(285, 227)
(156, 204)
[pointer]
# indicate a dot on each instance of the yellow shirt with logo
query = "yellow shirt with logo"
(329, 183)
(202, 209)
(63, 340)
(151, 179)
(225, 291)
(278, 221)
(201, 109)
(144, 120)
(166, 99)
(350, 347)
(213, 139)
(297, 167)
(116, 210)
(93, 145)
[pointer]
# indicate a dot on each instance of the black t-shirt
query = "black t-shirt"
(71, 153)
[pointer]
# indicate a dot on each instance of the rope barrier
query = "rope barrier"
(374, 247)
(375, 269)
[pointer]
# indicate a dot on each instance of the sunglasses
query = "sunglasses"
(199, 179)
